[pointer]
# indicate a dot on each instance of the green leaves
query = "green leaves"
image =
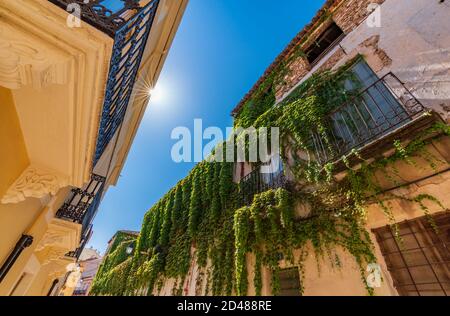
(167, 221)
(200, 213)
(195, 206)
(241, 233)
(195, 213)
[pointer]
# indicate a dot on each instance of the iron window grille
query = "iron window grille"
(99, 15)
(290, 284)
(257, 182)
(420, 262)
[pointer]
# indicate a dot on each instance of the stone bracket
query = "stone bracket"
(35, 183)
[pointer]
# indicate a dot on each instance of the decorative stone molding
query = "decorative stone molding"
(50, 255)
(34, 183)
(61, 234)
(60, 267)
(63, 72)
(27, 63)
(60, 238)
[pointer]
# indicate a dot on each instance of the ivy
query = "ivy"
(195, 206)
(113, 272)
(203, 212)
(167, 221)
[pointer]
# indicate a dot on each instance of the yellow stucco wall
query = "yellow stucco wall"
(15, 219)
(13, 157)
(36, 218)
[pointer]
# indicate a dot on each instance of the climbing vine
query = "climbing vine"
(202, 218)
(113, 272)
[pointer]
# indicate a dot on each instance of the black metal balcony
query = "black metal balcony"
(81, 207)
(257, 182)
(79, 293)
(379, 109)
(84, 240)
(129, 45)
(82, 204)
(101, 15)
(129, 26)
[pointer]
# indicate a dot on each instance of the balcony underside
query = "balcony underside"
(384, 144)
(56, 76)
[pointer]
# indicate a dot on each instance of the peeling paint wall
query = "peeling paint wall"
(413, 42)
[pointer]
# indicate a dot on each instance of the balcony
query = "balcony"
(257, 182)
(82, 204)
(129, 25)
(102, 16)
(383, 108)
(79, 293)
(84, 240)
(81, 208)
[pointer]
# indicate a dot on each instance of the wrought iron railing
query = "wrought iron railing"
(129, 26)
(257, 182)
(379, 109)
(84, 240)
(79, 292)
(129, 45)
(82, 204)
(99, 14)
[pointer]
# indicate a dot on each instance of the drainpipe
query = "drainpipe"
(24, 242)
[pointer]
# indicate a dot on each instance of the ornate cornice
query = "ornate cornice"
(60, 238)
(38, 50)
(34, 183)
(61, 233)
(25, 63)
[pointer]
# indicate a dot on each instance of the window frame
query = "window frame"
(408, 257)
(320, 39)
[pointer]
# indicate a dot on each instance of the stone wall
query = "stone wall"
(348, 15)
(414, 45)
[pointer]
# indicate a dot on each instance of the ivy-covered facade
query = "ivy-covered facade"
(360, 205)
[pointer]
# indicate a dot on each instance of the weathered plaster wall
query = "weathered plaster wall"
(414, 43)
(348, 15)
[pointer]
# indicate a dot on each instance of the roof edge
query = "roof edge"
(286, 52)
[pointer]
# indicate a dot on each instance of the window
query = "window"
(329, 38)
(371, 113)
(420, 265)
(290, 282)
(263, 177)
(271, 170)
(374, 112)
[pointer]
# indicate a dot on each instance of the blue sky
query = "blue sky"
(221, 49)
